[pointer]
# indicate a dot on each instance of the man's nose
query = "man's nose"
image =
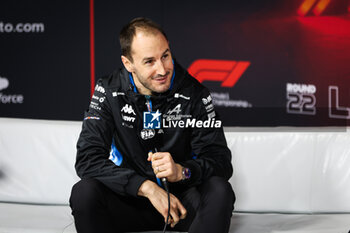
(160, 68)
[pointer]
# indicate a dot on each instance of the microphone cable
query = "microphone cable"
(155, 150)
(165, 184)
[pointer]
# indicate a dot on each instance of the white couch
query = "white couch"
(287, 180)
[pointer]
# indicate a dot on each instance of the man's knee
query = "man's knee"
(219, 190)
(86, 194)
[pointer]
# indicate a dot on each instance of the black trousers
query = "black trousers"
(97, 209)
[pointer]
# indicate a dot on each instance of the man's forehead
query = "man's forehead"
(149, 57)
(146, 45)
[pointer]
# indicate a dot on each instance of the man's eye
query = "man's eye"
(148, 62)
(165, 55)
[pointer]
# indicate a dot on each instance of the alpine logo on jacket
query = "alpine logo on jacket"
(176, 110)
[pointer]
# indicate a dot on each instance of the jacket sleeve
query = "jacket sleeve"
(213, 157)
(93, 148)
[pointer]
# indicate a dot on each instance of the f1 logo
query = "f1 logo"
(228, 72)
(318, 7)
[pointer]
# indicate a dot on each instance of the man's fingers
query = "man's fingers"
(157, 163)
(160, 201)
(156, 156)
(156, 170)
(180, 208)
(183, 211)
(162, 174)
(161, 155)
(176, 209)
(150, 155)
(175, 216)
(161, 170)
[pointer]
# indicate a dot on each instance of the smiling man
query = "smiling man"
(150, 62)
(125, 148)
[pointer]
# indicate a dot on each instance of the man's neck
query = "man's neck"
(140, 88)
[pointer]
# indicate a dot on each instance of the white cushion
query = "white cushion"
(275, 169)
(24, 218)
(21, 218)
(284, 170)
(37, 160)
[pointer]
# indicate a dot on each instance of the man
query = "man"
(137, 110)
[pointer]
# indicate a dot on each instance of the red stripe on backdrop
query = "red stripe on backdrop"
(92, 48)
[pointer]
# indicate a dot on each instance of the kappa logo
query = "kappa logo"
(226, 72)
(176, 110)
(128, 109)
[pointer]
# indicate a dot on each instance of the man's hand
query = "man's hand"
(159, 199)
(164, 166)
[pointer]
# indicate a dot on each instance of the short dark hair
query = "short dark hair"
(128, 32)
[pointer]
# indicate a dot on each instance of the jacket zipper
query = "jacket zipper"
(149, 108)
(148, 103)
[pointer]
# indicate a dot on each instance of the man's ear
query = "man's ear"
(127, 64)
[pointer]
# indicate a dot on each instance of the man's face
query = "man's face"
(152, 66)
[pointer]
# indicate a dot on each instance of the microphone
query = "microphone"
(154, 142)
(164, 179)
